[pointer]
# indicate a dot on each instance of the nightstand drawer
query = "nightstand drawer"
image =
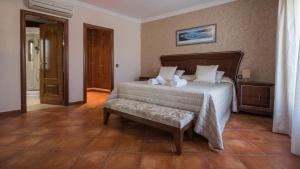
(258, 96)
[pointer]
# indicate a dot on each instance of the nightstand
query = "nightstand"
(256, 97)
(145, 78)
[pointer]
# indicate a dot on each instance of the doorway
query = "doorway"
(44, 69)
(98, 59)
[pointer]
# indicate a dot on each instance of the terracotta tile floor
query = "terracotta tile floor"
(75, 138)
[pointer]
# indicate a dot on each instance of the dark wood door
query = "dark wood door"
(94, 59)
(107, 52)
(99, 59)
(51, 69)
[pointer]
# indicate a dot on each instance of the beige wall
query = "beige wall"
(247, 25)
(126, 50)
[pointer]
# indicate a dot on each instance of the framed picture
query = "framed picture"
(197, 35)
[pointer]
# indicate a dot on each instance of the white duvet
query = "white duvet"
(212, 103)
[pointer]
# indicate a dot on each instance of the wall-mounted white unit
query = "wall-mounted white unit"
(50, 6)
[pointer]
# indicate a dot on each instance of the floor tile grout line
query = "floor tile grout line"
(78, 157)
(106, 159)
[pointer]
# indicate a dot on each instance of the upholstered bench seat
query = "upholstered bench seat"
(169, 119)
(165, 115)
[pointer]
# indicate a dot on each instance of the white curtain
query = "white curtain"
(287, 83)
(296, 115)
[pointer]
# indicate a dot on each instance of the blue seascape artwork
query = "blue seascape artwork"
(202, 34)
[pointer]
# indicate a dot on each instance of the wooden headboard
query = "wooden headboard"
(229, 62)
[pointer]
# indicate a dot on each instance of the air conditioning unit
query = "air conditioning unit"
(50, 6)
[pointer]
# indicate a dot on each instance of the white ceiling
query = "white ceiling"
(151, 9)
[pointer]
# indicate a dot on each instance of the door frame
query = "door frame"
(23, 14)
(87, 26)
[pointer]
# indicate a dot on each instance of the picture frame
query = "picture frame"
(197, 35)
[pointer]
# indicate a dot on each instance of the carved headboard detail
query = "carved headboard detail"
(229, 62)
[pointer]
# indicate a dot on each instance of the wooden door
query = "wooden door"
(96, 59)
(99, 59)
(51, 69)
(107, 52)
(93, 59)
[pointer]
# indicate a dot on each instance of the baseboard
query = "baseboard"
(11, 113)
(98, 90)
(76, 103)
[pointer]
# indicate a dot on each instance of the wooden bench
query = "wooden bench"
(168, 119)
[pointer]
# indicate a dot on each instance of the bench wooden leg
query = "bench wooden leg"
(106, 117)
(178, 138)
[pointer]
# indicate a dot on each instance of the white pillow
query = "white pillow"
(188, 77)
(219, 76)
(206, 73)
(179, 73)
(167, 72)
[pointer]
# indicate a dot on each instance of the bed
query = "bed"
(212, 103)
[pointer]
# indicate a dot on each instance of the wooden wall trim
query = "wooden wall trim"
(87, 26)
(23, 60)
(11, 113)
(66, 63)
(76, 103)
(23, 14)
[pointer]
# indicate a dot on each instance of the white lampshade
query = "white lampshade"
(246, 73)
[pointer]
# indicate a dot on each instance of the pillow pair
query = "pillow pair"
(208, 74)
(168, 72)
(203, 73)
